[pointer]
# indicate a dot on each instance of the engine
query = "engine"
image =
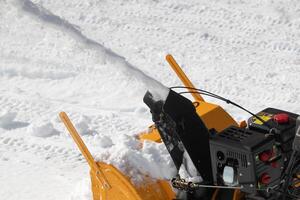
(254, 158)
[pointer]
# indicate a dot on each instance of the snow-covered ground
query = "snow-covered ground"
(94, 59)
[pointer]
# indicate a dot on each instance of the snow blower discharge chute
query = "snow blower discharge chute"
(257, 159)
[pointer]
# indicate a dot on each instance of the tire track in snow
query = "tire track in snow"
(25, 162)
(158, 89)
(22, 147)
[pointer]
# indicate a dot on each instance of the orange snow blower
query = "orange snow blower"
(257, 159)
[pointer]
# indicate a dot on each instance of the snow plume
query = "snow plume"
(158, 90)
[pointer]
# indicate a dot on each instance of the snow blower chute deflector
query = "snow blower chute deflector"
(255, 160)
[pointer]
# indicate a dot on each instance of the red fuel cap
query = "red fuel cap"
(281, 118)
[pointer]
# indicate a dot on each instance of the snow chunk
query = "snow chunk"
(104, 141)
(82, 125)
(159, 160)
(7, 121)
(43, 130)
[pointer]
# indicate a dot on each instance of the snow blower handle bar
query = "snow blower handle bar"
(84, 150)
(185, 80)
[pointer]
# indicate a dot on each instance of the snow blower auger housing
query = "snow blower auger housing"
(108, 183)
(258, 159)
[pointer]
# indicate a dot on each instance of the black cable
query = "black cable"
(200, 90)
(207, 93)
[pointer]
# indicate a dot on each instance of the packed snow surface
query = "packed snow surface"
(96, 59)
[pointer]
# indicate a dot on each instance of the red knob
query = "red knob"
(265, 178)
(265, 156)
(281, 118)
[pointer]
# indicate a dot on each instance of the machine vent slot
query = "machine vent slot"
(238, 156)
(235, 134)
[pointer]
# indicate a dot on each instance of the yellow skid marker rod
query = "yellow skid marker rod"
(84, 150)
(185, 80)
